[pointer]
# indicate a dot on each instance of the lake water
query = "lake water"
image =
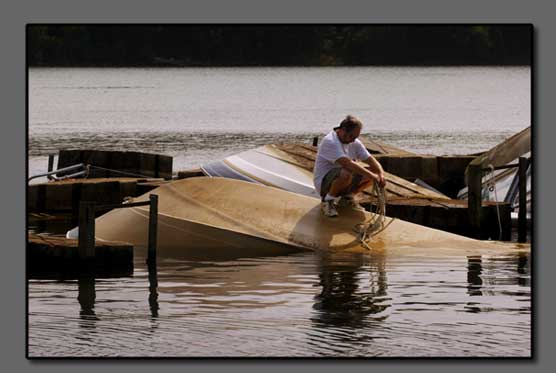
(304, 304)
(200, 115)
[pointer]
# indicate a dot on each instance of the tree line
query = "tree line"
(277, 45)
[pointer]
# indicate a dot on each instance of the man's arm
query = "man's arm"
(376, 167)
(374, 164)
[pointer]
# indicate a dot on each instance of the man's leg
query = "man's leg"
(360, 183)
(357, 185)
(334, 183)
(341, 183)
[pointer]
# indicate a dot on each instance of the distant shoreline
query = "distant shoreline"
(272, 66)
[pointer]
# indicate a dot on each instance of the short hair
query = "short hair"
(349, 123)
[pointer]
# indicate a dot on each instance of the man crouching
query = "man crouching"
(336, 175)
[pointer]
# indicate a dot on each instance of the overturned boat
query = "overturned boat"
(213, 217)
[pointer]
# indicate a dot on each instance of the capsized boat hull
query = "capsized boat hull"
(184, 239)
(210, 217)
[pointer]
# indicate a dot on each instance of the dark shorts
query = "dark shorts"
(331, 176)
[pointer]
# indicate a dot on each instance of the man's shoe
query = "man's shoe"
(328, 208)
(349, 201)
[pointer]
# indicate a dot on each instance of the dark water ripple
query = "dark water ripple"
(298, 305)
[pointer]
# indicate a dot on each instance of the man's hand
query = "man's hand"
(378, 177)
(381, 180)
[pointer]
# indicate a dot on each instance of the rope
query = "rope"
(365, 231)
(492, 187)
(119, 172)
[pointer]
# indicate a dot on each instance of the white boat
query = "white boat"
(212, 217)
(265, 165)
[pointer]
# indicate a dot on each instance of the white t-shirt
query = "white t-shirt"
(331, 149)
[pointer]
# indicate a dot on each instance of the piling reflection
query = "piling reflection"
(523, 269)
(485, 275)
(86, 298)
(474, 271)
(153, 292)
(353, 291)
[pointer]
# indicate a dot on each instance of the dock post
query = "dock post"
(315, 141)
(522, 214)
(474, 198)
(86, 243)
(50, 165)
(153, 223)
(151, 254)
(50, 162)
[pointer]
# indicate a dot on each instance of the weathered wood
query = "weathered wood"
(153, 223)
(451, 216)
(86, 230)
(474, 199)
(90, 252)
(445, 173)
(64, 195)
(184, 174)
(119, 163)
(522, 213)
(303, 156)
(50, 165)
(54, 256)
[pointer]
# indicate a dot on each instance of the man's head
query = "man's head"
(349, 129)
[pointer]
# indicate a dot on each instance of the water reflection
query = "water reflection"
(352, 289)
(523, 269)
(86, 298)
(488, 277)
(153, 292)
(474, 270)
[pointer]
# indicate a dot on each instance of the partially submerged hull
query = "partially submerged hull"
(211, 217)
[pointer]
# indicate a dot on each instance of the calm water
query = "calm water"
(305, 304)
(199, 115)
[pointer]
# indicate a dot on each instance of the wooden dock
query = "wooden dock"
(64, 195)
(119, 163)
(57, 256)
(453, 216)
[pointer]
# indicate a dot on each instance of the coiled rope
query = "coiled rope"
(365, 231)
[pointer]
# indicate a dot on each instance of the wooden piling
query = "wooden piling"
(153, 223)
(86, 248)
(50, 165)
(474, 199)
(522, 214)
(315, 141)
